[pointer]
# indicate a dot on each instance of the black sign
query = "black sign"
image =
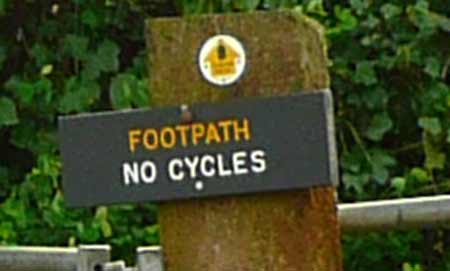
(262, 144)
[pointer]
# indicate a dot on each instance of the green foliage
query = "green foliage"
(63, 59)
(8, 114)
(390, 65)
(127, 91)
(382, 251)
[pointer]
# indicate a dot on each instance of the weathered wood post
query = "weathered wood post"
(282, 231)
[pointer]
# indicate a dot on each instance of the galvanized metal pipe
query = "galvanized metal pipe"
(395, 214)
(90, 257)
(365, 216)
(83, 258)
(38, 259)
(149, 259)
(114, 266)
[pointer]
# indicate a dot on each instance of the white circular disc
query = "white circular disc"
(222, 60)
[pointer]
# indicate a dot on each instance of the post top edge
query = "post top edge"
(289, 13)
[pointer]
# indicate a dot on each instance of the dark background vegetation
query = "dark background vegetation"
(389, 64)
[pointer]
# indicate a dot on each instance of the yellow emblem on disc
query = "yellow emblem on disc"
(222, 60)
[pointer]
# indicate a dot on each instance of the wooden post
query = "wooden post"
(283, 231)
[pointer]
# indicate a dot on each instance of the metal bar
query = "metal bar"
(83, 258)
(373, 215)
(91, 257)
(395, 214)
(114, 266)
(38, 259)
(149, 259)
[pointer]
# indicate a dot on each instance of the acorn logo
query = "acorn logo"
(222, 60)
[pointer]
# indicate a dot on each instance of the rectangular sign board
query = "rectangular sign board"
(247, 146)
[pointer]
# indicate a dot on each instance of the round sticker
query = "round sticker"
(222, 60)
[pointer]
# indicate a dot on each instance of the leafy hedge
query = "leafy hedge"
(56, 59)
(390, 64)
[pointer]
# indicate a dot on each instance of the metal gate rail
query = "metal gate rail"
(374, 215)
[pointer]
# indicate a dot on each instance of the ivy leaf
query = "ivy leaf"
(7, 231)
(390, 11)
(191, 7)
(106, 59)
(444, 22)
(121, 90)
(351, 161)
(371, 21)
(380, 173)
(375, 98)
(141, 97)
(89, 18)
(89, 234)
(106, 228)
(347, 21)
(419, 175)
(23, 90)
(8, 113)
(380, 124)
(24, 135)
(410, 267)
(381, 162)
(399, 184)
(271, 4)
(365, 73)
(246, 5)
(15, 208)
(316, 7)
(152, 234)
(101, 218)
(92, 68)
(359, 5)
(356, 182)
(41, 54)
(78, 96)
(101, 213)
(127, 91)
(419, 15)
(432, 67)
(434, 158)
(382, 158)
(431, 125)
(108, 56)
(76, 46)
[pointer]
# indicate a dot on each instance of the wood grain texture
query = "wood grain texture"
(283, 231)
